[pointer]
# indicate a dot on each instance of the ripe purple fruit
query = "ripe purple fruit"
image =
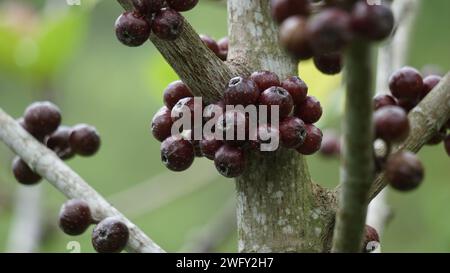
(331, 145)
(292, 132)
(438, 137)
(329, 31)
(265, 79)
(84, 140)
(312, 142)
(277, 96)
(297, 88)
(176, 91)
(383, 100)
(241, 91)
(407, 104)
(404, 171)
(406, 83)
(148, 7)
(211, 44)
(209, 147)
(177, 154)
(42, 118)
(233, 126)
(282, 9)
(132, 29)
(182, 5)
(371, 239)
(373, 22)
(230, 161)
(59, 143)
(391, 124)
(168, 24)
(75, 217)
(162, 124)
(185, 106)
(329, 64)
(269, 136)
(310, 110)
(429, 83)
(23, 174)
(110, 236)
(223, 48)
(294, 37)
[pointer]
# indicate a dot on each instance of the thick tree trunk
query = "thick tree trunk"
(278, 210)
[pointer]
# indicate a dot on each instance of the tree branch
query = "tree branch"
(426, 120)
(195, 64)
(49, 166)
(357, 170)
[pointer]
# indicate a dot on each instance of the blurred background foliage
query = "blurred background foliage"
(70, 55)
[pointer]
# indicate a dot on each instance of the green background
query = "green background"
(96, 80)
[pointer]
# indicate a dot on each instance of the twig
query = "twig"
(49, 166)
(357, 170)
(26, 228)
(215, 232)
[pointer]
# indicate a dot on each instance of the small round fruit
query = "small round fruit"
(373, 22)
(407, 104)
(174, 92)
(59, 143)
(75, 217)
(233, 125)
(331, 146)
(182, 5)
(265, 79)
(209, 147)
(210, 43)
(294, 37)
(132, 29)
(297, 88)
(447, 144)
(110, 236)
(391, 124)
(186, 106)
(382, 100)
(406, 83)
(147, 7)
(329, 64)
(282, 9)
(84, 140)
(438, 137)
(162, 124)
(42, 118)
(329, 31)
(223, 48)
(23, 174)
(313, 140)
(292, 132)
(267, 138)
(371, 239)
(241, 91)
(404, 171)
(277, 96)
(429, 83)
(230, 161)
(310, 110)
(168, 24)
(177, 154)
